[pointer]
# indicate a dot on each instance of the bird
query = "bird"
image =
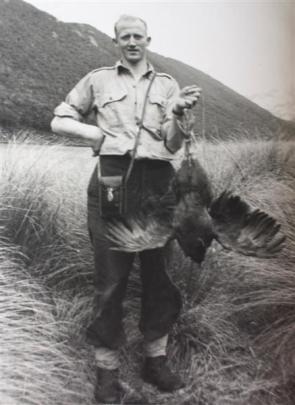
(195, 218)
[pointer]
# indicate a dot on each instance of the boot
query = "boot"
(157, 372)
(107, 389)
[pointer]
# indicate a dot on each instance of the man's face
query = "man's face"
(132, 40)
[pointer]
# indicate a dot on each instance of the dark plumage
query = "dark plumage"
(195, 218)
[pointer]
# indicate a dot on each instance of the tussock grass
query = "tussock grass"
(38, 365)
(259, 294)
(234, 340)
(43, 210)
(42, 314)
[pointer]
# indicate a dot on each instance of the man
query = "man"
(116, 95)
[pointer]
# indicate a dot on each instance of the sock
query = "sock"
(156, 347)
(107, 358)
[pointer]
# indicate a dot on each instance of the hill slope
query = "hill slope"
(42, 58)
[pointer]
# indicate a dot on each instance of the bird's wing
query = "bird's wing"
(239, 228)
(136, 234)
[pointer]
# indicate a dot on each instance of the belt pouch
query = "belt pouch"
(112, 199)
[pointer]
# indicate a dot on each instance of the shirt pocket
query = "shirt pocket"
(111, 106)
(156, 112)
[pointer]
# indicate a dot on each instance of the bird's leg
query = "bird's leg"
(189, 278)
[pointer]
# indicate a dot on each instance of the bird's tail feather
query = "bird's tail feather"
(136, 234)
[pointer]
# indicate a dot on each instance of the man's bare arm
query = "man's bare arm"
(90, 134)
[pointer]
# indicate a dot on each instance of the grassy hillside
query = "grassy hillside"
(42, 58)
(234, 341)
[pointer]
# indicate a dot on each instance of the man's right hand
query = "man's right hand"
(97, 145)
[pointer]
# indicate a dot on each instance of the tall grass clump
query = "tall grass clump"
(42, 210)
(233, 342)
(37, 363)
(242, 309)
(43, 358)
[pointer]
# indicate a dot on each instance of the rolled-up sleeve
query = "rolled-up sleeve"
(79, 102)
(171, 129)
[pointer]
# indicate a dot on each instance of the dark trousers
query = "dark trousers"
(161, 300)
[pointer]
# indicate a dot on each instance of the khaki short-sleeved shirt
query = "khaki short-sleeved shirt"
(116, 98)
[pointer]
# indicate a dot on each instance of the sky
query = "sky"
(247, 45)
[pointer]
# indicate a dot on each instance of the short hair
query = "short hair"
(126, 17)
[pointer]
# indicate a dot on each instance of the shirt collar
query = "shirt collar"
(121, 67)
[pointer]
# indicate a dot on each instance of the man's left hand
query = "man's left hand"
(188, 97)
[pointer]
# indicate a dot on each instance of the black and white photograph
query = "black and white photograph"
(147, 212)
